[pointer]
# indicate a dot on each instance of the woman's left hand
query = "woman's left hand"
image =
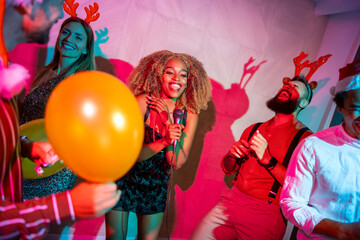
(160, 106)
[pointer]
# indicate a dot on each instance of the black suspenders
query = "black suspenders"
(275, 187)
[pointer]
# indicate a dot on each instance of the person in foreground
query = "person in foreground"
(250, 209)
(31, 219)
(74, 52)
(322, 185)
(163, 82)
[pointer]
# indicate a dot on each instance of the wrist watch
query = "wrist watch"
(271, 164)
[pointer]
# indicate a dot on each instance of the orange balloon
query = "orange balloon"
(95, 125)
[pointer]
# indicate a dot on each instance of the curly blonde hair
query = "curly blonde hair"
(147, 77)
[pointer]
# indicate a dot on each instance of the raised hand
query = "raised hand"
(173, 133)
(160, 106)
(259, 146)
(240, 149)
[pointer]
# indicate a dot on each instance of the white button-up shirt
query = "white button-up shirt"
(323, 181)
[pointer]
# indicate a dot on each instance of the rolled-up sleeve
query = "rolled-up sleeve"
(298, 186)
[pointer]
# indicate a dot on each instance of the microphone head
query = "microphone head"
(178, 115)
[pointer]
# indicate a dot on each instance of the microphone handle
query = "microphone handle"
(176, 121)
(174, 145)
(177, 115)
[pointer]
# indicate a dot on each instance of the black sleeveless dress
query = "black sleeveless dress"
(34, 108)
(144, 187)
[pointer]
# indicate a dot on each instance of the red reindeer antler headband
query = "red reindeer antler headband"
(299, 66)
(91, 12)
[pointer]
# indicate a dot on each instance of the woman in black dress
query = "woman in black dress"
(162, 82)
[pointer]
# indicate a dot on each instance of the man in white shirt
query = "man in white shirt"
(321, 192)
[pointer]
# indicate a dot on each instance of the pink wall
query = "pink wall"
(342, 39)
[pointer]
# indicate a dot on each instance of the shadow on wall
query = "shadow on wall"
(201, 175)
(185, 176)
(115, 67)
(101, 38)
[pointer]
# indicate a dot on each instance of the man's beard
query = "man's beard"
(285, 107)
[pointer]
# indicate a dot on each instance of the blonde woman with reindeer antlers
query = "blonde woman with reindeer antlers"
(171, 89)
(74, 52)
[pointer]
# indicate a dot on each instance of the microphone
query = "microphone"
(177, 115)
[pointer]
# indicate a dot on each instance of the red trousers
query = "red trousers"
(240, 216)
